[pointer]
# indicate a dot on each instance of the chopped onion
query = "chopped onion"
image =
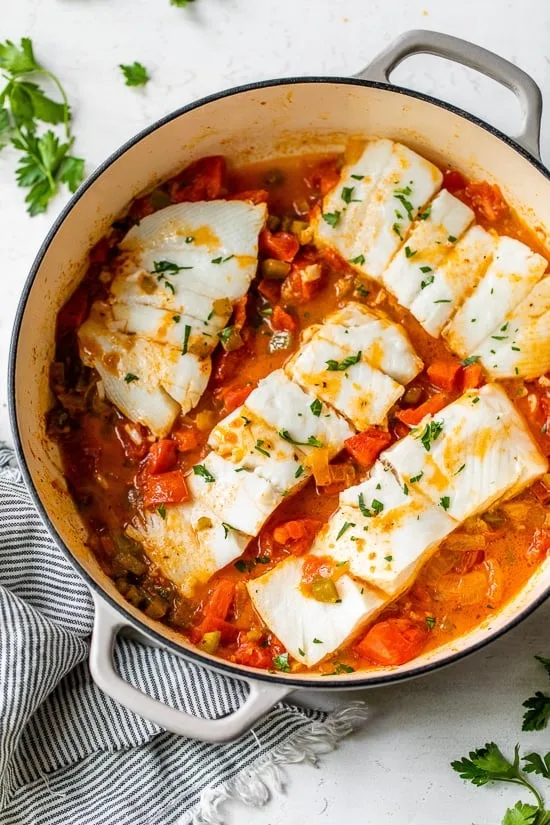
(134, 434)
(100, 386)
(532, 402)
(311, 273)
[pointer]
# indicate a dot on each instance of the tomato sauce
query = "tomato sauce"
(107, 459)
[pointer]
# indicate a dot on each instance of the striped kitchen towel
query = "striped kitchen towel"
(69, 755)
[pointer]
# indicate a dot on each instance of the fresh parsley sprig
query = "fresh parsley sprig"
(45, 161)
(538, 706)
(135, 74)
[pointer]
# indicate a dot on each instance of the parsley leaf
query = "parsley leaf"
(187, 333)
(168, 266)
(181, 4)
(200, 470)
(410, 253)
(521, 814)
(45, 160)
(430, 433)
(487, 764)
(162, 511)
(135, 73)
(431, 621)
(316, 407)
(345, 526)
(129, 377)
(359, 259)
(260, 448)
(280, 662)
(341, 366)
(538, 712)
(347, 194)
(332, 218)
(311, 442)
(535, 763)
(544, 662)
(445, 502)
(471, 359)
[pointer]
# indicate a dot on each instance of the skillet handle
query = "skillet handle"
(107, 625)
(422, 41)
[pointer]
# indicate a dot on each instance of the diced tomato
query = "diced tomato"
(393, 641)
(202, 180)
(412, 417)
(216, 608)
(226, 365)
(165, 488)
(162, 456)
(233, 397)
(252, 195)
(324, 176)
(314, 566)
(472, 376)
(444, 374)
(334, 260)
(270, 289)
(540, 545)
(132, 450)
(468, 560)
(282, 320)
(187, 438)
(297, 290)
(487, 200)
(283, 246)
(297, 535)
(365, 447)
(254, 654)
(99, 254)
(73, 314)
(239, 312)
(454, 181)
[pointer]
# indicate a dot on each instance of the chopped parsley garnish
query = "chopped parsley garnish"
(410, 253)
(359, 259)
(431, 622)
(241, 565)
(162, 511)
(357, 177)
(377, 506)
(311, 442)
(400, 195)
(168, 266)
(429, 280)
(186, 335)
(226, 528)
(225, 334)
(425, 269)
(445, 502)
(259, 446)
(339, 668)
(345, 526)
(280, 662)
(361, 289)
(135, 74)
(340, 366)
(262, 559)
(430, 433)
(414, 479)
(405, 489)
(300, 651)
(397, 229)
(189, 238)
(516, 349)
(471, 359)
(200, 470)
(299, 472)
(221, 259)
(129, 377)
(422, 216)
(363, 507)
(451, 239)
(317, 641)
(443, 301)
(347, 195)
(460, 469)
(499, 337)
(388, 558)
(176, 318)
(332, 218)
(316, 407)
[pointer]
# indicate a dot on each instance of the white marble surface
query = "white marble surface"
(396, 770)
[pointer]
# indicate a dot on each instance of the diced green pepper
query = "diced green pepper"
(324, 590)
(275, 270)
(210, 642)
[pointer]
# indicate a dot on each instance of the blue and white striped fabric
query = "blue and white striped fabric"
(69, 755)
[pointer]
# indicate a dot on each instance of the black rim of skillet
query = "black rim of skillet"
(220, 665)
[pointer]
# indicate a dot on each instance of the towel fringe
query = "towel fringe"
(255, 785)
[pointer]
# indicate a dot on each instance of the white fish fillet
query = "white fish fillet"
(148, 382)
(168, 327)
(285, 406)
(169, 294)
(481, 452)
(371, 227)
(186, 553)
(415, 267)
(220, 259)
(457, 276)
(360, 392)
(252, 445)
(521, 346)
(384, 344)
(242, 500)
(384, 530)
(512, 273)
(310, 630)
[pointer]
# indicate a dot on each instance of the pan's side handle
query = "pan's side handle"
(107, 625)
(422, 41)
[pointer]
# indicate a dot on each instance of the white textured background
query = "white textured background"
(396, 770)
